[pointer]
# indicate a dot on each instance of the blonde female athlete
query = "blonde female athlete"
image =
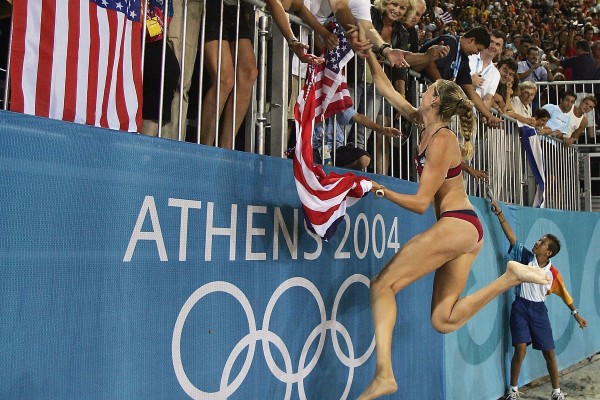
(451, 244)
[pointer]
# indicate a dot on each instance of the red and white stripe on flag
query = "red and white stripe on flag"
(324, 197)
(81, 62)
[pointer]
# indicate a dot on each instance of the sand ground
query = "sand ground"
(579, 382)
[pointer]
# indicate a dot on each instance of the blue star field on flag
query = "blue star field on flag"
(131, 8)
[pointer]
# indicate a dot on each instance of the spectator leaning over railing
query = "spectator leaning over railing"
(455, 65)
(324, 38)
(415, 34)
(484, 74)
(508, 71)
(578, 119)
(520, 105)
(541, 117)
(559, 116)
(278, 10)
(385, 16)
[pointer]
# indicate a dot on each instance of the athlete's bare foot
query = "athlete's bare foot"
(379, 387)
(525, 273)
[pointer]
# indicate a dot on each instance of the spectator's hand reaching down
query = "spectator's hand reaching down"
(360, 47)
(396, 58)
(437, 51)
(390, 131)
(300, 48)
(478, 174)
(478, 80)
(493, 121)
(329, 39)
(495, 207)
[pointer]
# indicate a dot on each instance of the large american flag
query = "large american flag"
(78, 60)
(324, 197)
(330, 82)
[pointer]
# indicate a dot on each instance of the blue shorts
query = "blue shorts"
(529, 323)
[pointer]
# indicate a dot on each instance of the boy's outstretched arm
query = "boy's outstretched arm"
(508, 232)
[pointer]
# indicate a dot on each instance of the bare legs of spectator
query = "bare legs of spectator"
(247, 73)
(177, 37)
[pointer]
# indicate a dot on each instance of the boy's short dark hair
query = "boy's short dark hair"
(541, 113)
(480, 34)
(553, 244)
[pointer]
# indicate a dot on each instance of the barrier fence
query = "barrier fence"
(268, 125)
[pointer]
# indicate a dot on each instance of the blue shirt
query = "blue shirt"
(455, 56)
(530, 291)
(518, 252)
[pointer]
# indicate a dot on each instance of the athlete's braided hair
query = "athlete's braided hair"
(454, 102)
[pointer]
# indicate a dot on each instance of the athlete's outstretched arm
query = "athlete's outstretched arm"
(384, 86)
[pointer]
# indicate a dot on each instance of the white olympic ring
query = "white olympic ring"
(266, 336)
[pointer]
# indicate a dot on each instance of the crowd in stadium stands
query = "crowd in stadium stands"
(548, 41)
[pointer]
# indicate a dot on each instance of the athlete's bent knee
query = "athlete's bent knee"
(443, 326)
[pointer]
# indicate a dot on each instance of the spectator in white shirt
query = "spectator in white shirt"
(484, 74)
(520, 105)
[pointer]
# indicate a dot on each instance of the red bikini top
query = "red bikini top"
(420, 160)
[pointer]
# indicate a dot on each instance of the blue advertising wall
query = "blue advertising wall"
(136, 268)
(141, 268)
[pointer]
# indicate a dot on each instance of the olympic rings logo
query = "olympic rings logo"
(287, 375)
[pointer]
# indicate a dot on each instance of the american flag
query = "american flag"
(81, 62)
(324, 197)
(330, 83)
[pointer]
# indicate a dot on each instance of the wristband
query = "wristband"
(293, 41)
(382, 48)
(574, 312)
(380, 192)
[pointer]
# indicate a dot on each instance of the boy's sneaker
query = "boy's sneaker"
(513, 395)
(558, 396)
